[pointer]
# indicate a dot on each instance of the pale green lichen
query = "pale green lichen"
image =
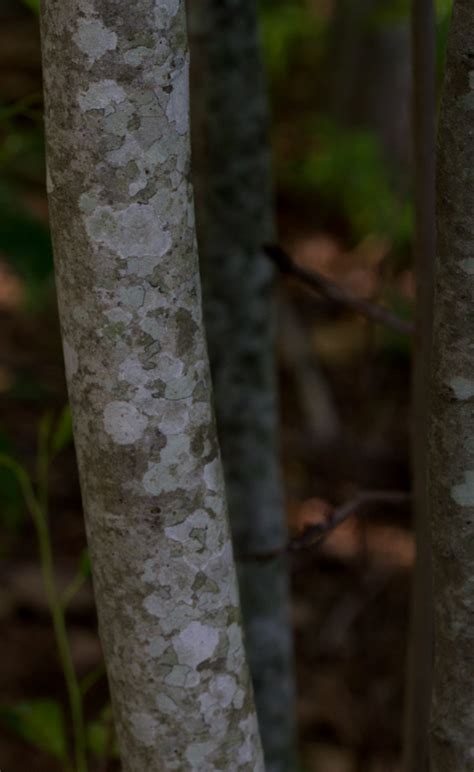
(144, 728)
(124, 423)
(94, 39)
(71, 360)
(462, 387)
(463, 493)
(195, 644)
(468, 265)
(132, 231)
(102, 95)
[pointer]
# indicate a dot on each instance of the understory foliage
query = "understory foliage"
(44, 722)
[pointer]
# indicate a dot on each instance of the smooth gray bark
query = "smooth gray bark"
(420, 644)
(116, 88)
(234, 218)
(452, 415)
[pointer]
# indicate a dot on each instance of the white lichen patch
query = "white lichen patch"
(117, 315)
(170, 367)
(235, 650)
(463, 494)
(135, 231)
(157, 646)
(172, 616)
(131, 371)
(224, 689)
(117, 122)
(144, 728)
(249, 729)
(462, 387)
(198, 524)
(49, 181)
(183, 677)
(176, 469)
(71, 360)
(103, 95)
(180, 388)
(88, 202)
(94, 39)
(174, 417)
(195, 644)
(196, 754)
(212, 475)
(135, 56)
(165, 10)
(132, 296)
(468, 265)
(214, 702)
(178, 107)
(166, 705)
(124, 423)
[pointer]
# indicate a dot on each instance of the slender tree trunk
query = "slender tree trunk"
(367, 59)
(234, 216)
(420, 650)
(116, 77)
(452, 415)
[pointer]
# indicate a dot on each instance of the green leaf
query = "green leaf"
(44, 429)
(24, 240)
(27, 387)
(39, 722)
(101, 736)
(85, 564)
(11, 497)
(33, 5)
(63, 432)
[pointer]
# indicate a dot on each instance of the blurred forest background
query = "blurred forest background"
(339, 76)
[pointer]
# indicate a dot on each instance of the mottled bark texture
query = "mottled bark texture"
(231, 164)
(420, 643)
(116, 87)
(452, 414)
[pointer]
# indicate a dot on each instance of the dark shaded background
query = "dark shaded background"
(340, 84)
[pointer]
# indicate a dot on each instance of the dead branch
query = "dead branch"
(313, 534)
(336, 294)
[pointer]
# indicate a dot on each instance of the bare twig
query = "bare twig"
(316, 532)
(336, 294)
(313, 534)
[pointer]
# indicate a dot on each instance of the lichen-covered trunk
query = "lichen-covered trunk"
(234, 217)
(420, 643)
(116, 88)
(452, 411)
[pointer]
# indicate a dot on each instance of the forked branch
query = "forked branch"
(314, 533)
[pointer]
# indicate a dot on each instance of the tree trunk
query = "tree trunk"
(420, 648)
(452, 415)
(116, 90)
(368, 59)
(234, 216)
